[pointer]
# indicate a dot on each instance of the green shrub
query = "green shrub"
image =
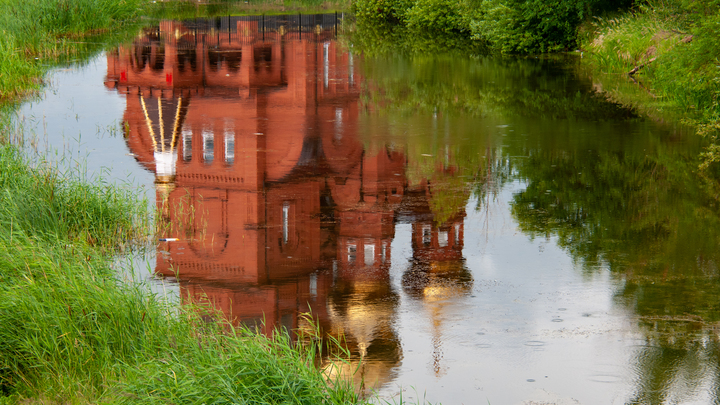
(530, 26)
(509, 26)
(18, 72)
(381, 11)
(439, 16)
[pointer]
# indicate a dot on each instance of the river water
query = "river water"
(475, 229)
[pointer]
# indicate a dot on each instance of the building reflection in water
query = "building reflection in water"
(250, 126)
(437, 272)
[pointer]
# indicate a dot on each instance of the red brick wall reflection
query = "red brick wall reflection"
(273, 205)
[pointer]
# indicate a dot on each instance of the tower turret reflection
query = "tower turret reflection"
(437, 274)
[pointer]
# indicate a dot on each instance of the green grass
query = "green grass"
(673, 43)
(36, 34)
(51, 274)
(72, 331)
(18, 74)
(626, 41)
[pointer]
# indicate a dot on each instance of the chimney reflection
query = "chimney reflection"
(275, 207)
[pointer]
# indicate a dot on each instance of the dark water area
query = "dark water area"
(476, 229)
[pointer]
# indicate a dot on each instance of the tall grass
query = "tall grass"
(72, 331)
(53, 285)
(674, 46)
(34, 33)
(42, 204)
(18, 74)
(622, 42)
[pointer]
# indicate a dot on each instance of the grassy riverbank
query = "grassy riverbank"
(669, 48)
(36, 34)
(71, 329)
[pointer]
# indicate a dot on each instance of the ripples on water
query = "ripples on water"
(480, 229)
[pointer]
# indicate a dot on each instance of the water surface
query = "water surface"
(477, 229)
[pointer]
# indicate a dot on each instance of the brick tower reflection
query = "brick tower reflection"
(362, 305)
(437, 273)
(276, 206)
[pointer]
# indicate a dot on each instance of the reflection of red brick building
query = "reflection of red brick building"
(276, 207)
(230, 122)
(246, 135)
(437, 247)
(366, 199)
(437, 272)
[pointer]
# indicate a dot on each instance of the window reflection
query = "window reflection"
(217, 58)
(208, 147)
(426, 235)
(187, 144)
(338, 123)
(262, 56)
(369, 255)
(352, 252)
(326, 64)
(286, 221)
(313, 285)
(229, 147)
(443, 238)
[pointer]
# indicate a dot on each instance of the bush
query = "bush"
(381, 11)
(509, 26)
(439, 16)
(529, 26)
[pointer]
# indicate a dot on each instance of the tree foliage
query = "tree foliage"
(509, 26)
